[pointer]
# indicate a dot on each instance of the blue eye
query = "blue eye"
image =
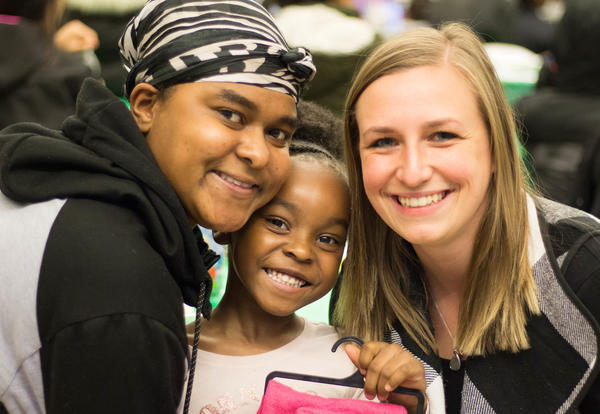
(383, 142)
(442, 136)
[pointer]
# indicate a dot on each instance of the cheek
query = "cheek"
(240, 256)
(375, 172)
(461, 167)
(169, 141)
(279, 166)
(254, 240)
(331, 267)
(211, 133)
(176, 161)
(460, 172)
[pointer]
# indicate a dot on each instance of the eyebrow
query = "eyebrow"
(338, 221)
(378, 130)
(431, 124)
(294, 208)
(440, 122)
(286, 204)
(234, 97)
(289, 121)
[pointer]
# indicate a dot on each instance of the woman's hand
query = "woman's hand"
(385, 367)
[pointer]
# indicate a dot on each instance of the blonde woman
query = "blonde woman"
(451, 253)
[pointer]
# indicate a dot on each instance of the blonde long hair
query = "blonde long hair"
(378, 286)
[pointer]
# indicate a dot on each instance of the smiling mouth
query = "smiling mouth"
(238, 183)
(286, 279)
(414, 202)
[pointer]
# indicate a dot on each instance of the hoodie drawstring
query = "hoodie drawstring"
(192, 370)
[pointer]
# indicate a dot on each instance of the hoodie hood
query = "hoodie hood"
(101, 154)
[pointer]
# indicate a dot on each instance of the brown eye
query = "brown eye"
(276, 222)
(328, 240)
(232, 116)
(279, 134)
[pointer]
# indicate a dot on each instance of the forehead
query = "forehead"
(253, 100)
(314, 184)
(248, 95)
(432, 91)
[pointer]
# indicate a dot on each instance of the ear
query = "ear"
(143, 100)
(222, 237)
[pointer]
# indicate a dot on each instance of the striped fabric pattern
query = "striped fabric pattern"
(435, 387)
(175, 41)
(551, 376)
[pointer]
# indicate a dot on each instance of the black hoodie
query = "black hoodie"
(98, 232)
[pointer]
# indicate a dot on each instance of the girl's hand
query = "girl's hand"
(385, 367)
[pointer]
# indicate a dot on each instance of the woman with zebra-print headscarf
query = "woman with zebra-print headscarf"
(100, 239)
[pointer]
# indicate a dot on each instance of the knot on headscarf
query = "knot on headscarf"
(176, 41)
(299, 62)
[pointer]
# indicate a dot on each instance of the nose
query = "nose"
(415, 168)
(253, 148)
(299, 248)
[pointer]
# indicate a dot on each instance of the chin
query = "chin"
(278, 311)
(282, 313)
(227, 227)
(227, 224)
(422, 238)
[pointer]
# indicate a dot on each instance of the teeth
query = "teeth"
(421, 201)
(285, 278)
(234, 181)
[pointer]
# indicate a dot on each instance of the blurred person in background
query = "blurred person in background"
(107, 18)
(337, 37)
(561, 119)
(533, 32)
(492, 19)
(506, 21)
(41, 70)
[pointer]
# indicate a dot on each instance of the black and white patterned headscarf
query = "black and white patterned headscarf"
(176, 41)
